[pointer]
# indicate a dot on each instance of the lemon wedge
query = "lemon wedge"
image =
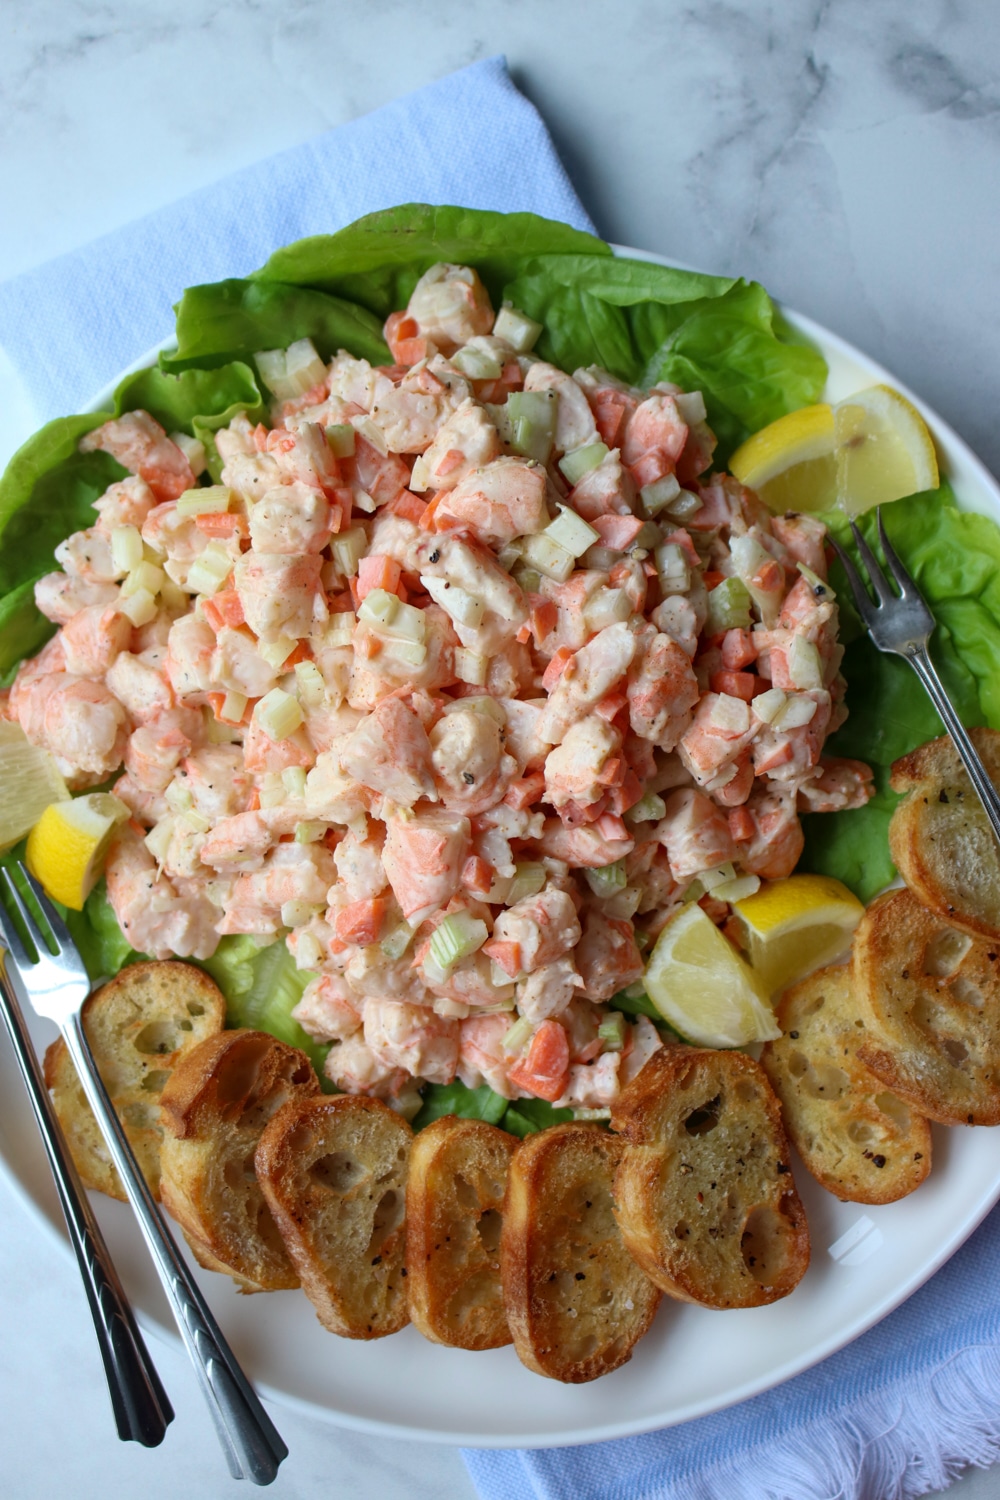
(791, 462)
(67, 846)
(883, 449)
(793, 926)
(29, 781)
(703, 988)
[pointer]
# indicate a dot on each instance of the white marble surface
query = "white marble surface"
(847, 154)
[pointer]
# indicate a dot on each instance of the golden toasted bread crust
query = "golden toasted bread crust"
(930, 1000)
(939, 837)
(858, 1140)
(706, 1200)
(454, 1212)
(576, 1302)
(214, 1110)
(140, 1025)
(334, 1172)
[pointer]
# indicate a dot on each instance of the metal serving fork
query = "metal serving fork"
(901, 625)
(55, 982)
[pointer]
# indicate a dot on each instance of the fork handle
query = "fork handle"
(979, 776)
(141, 1406)
(252, 1444)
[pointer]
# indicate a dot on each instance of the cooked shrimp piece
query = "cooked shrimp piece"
(588, 677)
(353, 1067)
(468, 440)
(78, 721)
(177, 538)
(411, 413)
(188, 663)
(509, 670)
(607, 490)
(328, 1011)
(773, 850)
(584, 765)
(449, 304)
(424, 856)
(475, 571)
(93, 638)
(125, 503)
(140, 684)
(217, 780)
(544, 1069)
(611, 401)
(481, 1058)
(804, 538)
(413, 1038)
(593, 1085)
(680, 619)
(789, 754)
(154, 916)
(87, 555)
(497, 503)
(573, 600)
(281, 594)
(290, 872)
(303, 456)
(396, 537)
(156, 749)
(575, 424)
(471, 771)
(836, 784)
(695, 833)
(332, 796)
(662, 691)
(589, 847)
(237, 665)
(291, 519)
(541, 928)
(547, 991)
(607, 956)
(139, 444)
(261, 753)
(59, 596)
(359, 864)
(248, 473)
(470, 983)
(521, 738)
(389, 752)
(654, 439)
(723, 728)
(239, 843)
(645, 1041)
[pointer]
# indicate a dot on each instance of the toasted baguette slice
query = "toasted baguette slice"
(577, 1303)
(214, 1109)
(857, 1139)
(939, 837)
(139, 1025)
(706, 1200)
(930, 1001)
(454, 1213)
(333, 1171)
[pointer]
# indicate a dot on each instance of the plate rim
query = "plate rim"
(953, 447)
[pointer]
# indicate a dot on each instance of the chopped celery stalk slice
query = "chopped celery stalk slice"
(819, 586)
(289, 373)
(310, 832)
(395, 943)
(211, 499)
(606, 879)
(516, 329)
(293, 779)
(737, 889)
(548, 556)
(612, 1032)
(728, 607)
(571, 531)
(520, 1033)
(581, 460)
(348, 548)
(458, 604)
(477, 360)
(659, 494)
(649, 809)
(340, 439)
(378, 608)
(457, 937)
(126, 548)
(528, 880)
(532, 417)
(279, 714)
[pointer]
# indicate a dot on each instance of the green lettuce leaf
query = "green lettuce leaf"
(23, 628)
(525, 1116)
(208, 398)
(262, 987)
(102, 944)
(455, 1099)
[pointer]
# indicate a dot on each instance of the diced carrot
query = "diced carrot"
(625, 796)
(366, 644)
(301, 651)
(223, 609)
(761, 685)
(523, 635)
(507, 955)
(253, 805)
(610, 407)
(477, 875)
(611, 827)
(736, 684)
(352, 584)
(713, 578)
(738, 650)
(543, 616)
(453, 459)
(526, 791)
(336, 945)
(556, 667)
(544, 1069)
(395, 373)
(612, 773)
(340, 604)
(361, 921)
(377, 571)
(426, 521)
(221, 523)
(408, 505)
(617, 532)
(649, 568)
(611, 706)
(400, 330)
(217, 700)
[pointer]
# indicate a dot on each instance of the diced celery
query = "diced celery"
(674, 568)
(477, 360)
(457, 937)
(278, 714)
(348, 548)
(126, 548)
(500, 417)
(209, 570)
(462, 607)
(581, 460)
(767, 706)
(533, 420)
(469, 667)
(396, 942)
(195, 821)
(804, 665)
(796, 711)
(340, 439)
(378, 608)
(711, 878)
(606, 879)
(728, 607)
(298, 913)
(516, 329)
(291, 372)
(518, 1035)
(624, 904)
(684, 504)
(293, 779)
(276, 652)
(649, 809)
(571, 531)
(659, 494)
(178, 797)
(158, 838)
(691, 405)
(607, 607)
(730, 714)
(530, 579)
(193, 450)
(340, 629)
(529, 878)
(612, 1032)
(234, 706)
(411, 653)
(145, 575)
(272, 790)
(548, 557)
(363, 501)
(310, 832)
(140, 607)
(211, 499)
(309, 683)
(478, 704)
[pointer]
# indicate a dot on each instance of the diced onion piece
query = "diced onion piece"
(363, 501)
(291, 372)
(310, 832)
(747, 555)
(140, 607)
(396, 942)
(234, 706)
(737, 889)
(606, 879)
(277, 651)
(279, 715)
(145, 575)
(820, 587)
(470, 667)
(340, 439)
(516, 329)
(571, 531)
(298, 913)
(518, 1036)
(767, 706)
(211, 499)
(649, 809)
(581, 460)
(372, 433)
(293, 779)
(728, 607)
(612, 1032)
(730, 714)
(193, 450)
(309, 683)
(126, 548)
(457, 937)
(711, 878)
(477, 360)
(532, 417)
(691, 407)
(348, 548)
(804, 665)
(529, 878)
(209, 570)
(548, 557)
(459, 605)
(656, 496)
(607, 607)
(674, 568)
(798, 711)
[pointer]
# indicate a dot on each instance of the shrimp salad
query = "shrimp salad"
(458, 680)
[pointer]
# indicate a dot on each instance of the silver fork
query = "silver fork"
(901, 625)
(55, 982)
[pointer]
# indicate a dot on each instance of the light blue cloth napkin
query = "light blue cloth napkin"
(72, 325)
(897, 1412)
